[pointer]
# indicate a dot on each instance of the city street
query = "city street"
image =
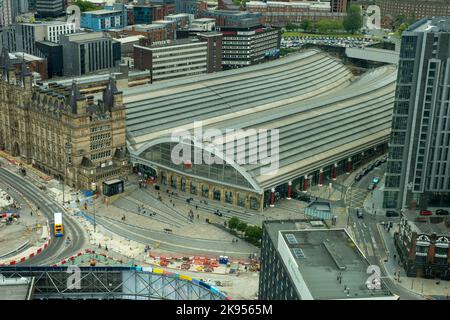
(57, 249)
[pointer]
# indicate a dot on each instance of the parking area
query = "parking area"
(345, 42)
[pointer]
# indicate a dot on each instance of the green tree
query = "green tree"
(86, 5)
(253, 233)
(233, 222)
(290, 26)
(242, 226)
(402, 28)
(306, 25)
(328, 26)
(353, 21)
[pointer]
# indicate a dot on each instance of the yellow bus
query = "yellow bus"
(58, 225)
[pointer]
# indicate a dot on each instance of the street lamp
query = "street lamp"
(94, 188)
(68, 160)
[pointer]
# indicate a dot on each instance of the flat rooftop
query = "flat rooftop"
(101, 12)
(320, 256)
(15, 288)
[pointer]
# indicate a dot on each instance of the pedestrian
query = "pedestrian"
(198, 216)
(31, 213)
(174, 204)
(196, 207)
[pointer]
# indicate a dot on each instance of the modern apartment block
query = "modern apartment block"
(6, 16)
(88, 52)
(173, 59)
(23, 36)
(418, 168)
(102, 20)
(245, 46)
(50, 8)
(303, 262)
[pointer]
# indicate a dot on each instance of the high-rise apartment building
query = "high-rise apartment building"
(418, 168)
(6, 17)
(19, 7)
(50, 8)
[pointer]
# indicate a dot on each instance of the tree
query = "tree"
(86, 5)
(353, 21)
(242, 226)
(253, 233)
(290, 26)
(306, 25)
(233, 222)
(327, 25)
(402, 28)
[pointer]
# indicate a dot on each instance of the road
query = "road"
(57, 249)
(366, 233)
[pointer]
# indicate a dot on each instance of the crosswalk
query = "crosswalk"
(357, 197)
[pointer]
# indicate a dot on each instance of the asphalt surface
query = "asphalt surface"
(58, 248)
(366, 232)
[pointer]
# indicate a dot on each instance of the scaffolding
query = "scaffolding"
(131, 283)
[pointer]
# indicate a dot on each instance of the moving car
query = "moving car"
(359, 214)
(442, 212)
(376, 180)
(392, 213)
(425, 213)
(371, 187)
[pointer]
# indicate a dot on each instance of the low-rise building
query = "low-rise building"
(424, 247)
(182, 20)
(88, 52)
(299, 262)
(23, 36)
(101, 20)
(229, 18)
(245, 46)
(279, 13)
(202, 25)
(172, 59)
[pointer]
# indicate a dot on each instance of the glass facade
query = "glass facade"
(224, 172)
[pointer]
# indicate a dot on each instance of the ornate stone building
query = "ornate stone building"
(60, 131)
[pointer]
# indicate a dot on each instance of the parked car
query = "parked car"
(392, 213)
(358, 177)
(425, 213)
(371, 187)
(442, 212)
(376, 180)
(421, 219)
(377, 163)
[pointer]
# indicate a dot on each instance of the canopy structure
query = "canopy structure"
(318, 111)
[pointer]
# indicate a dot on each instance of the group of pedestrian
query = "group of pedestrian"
(234, 240)
(142, 184)
(388, 226)
(191, 215)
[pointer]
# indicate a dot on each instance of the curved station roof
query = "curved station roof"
(322, 112)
